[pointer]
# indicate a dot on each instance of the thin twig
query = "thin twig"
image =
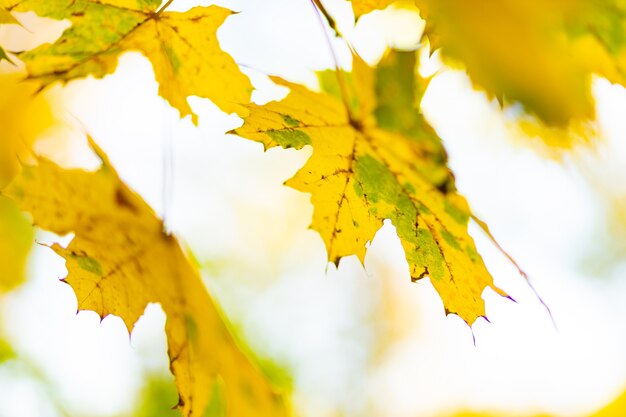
(331, 21)
(345, 97)
(524, 275)
(167, 179)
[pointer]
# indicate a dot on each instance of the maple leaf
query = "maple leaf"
(120, 261)
(378, 161)
(182, 47)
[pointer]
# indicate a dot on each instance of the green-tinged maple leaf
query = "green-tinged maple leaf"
(382, 161)
(120, 261)
(182, 47)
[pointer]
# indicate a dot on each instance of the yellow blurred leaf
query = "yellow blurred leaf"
(6, 350)
(6, 18)
(16, 239)
(536, 52)
(120, 260)
(515, 49)
(616, 408)
(362, 7)
(23, 116)
(182, 47)
(378, 161)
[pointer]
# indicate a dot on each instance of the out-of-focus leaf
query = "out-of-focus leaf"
(517, 50)
(539, 53)
(380, 161)
(616, 408)
(362, 7)
(182, 47)
(157, 397)
(4, 56)
(16, 239)
(6, 18)
(120, 260)
(6, 350)
(23, 116)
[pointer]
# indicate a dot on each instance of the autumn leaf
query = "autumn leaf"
(182, 47)
(541, 54)
(543, 60)
(120, 260)
(16, 239)
(23, 118)
(379, 160)
(512, 50)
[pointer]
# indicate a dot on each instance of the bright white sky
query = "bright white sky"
(357, 343)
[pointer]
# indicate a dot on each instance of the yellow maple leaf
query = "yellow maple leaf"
(379, 160)
(120, 260)
(182, 47)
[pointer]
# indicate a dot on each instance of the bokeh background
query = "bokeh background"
(347, 342)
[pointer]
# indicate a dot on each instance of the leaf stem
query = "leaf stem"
(328, 17)
(162, 8)
(320, 11)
